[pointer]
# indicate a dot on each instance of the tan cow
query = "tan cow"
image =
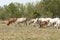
(11, 20)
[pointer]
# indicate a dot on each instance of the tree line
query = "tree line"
(44, 8)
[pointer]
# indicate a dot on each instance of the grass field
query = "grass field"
(28, 33)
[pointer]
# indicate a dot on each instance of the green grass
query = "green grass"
(28, 33)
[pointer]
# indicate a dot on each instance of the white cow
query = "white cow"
(31, 21)
(21, 20)
(53, 21)
(44, 19)
(57, 24)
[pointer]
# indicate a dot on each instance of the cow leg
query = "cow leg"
(30, 23)
(26, 23)
(40, 26)
(19, 24)
(16, 24)
(8, 23)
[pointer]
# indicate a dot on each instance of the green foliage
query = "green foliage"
(44, 8)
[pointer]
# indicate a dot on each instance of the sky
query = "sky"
(6, 2)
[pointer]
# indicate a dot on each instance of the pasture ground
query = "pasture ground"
(28, 33)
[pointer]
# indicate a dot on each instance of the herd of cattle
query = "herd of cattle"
(42, 22)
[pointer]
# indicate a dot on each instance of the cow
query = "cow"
(53, 21)
(43, 23)
(11, 20)
(21, 20)
(31, 21)
(57, 25)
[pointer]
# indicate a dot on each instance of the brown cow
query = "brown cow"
(43, 23)
(11, 20)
